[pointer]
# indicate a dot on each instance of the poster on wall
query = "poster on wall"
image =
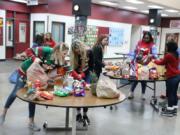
(91, 35)
(172, 37)
(1, 31)
(22, 32)
(116, 37)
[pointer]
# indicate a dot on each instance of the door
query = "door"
(2, 34)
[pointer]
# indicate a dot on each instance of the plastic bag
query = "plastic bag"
(13, 77)
(106, 88)
(143, 73)
(36, 72)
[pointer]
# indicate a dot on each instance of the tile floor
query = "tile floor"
(133, 117)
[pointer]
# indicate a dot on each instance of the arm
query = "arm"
(164, 60)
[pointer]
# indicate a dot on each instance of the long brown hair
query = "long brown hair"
(100, 38)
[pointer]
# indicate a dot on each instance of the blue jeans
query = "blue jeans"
(172, 87)
(134, 84)
(19, 84)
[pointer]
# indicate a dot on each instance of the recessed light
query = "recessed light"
(172, 11)
(135, 1)
(164, 15)
(130, 8)
(155, 7)
(108, 3)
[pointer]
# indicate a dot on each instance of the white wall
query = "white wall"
(2, 48)
(163, 37)
(135, 36)
(110, 52)
(69, 21)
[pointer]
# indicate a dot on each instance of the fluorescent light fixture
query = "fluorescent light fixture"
(164, 15)
(155, 7)
(172, 11)
(22, 1)
(135, 1)
(108, 3)
(129, 7)
(145, 11)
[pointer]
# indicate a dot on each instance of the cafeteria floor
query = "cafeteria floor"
(132, 117)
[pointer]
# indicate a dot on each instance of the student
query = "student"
(82, 63)
(38, 41)
(98, 52)
(46, 54)
(171, 61)
(48, 40)
(147, 44)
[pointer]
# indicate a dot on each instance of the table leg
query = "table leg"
(64, 128)
(153, 101)
(74, 121)
(67, 118)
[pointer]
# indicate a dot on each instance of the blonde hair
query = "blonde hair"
(76, 44)
(57, 53)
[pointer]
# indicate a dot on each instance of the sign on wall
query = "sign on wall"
(172, 37)
(116, 37)
(175, 24)
(22, 32)
(1, 31)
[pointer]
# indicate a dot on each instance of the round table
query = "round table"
(153, 101)
(73, 102)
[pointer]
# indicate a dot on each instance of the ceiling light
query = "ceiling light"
(145, 11)
(164, 15)
(155, 7)
(172, 11)
(129, 7)
(108, 3)
(151, 20)
(76, 7)
(135, 1)
(22, 1)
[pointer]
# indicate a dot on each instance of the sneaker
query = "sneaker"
(131, 95)
(86, 119)
(79, 117)
(34, 127)
(143, 97)
(2, 119)
(168, 113)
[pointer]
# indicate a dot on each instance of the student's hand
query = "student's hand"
(37, 60)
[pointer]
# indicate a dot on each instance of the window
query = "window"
(22, 32)
(58, 31)
(9, 33)
(39, 28)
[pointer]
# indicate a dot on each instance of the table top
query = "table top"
(89, 100)
(133, 79)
